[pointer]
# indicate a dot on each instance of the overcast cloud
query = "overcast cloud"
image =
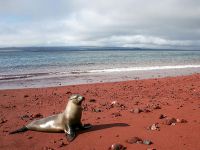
(133, 23)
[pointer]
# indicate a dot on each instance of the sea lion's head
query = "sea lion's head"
(77, 99)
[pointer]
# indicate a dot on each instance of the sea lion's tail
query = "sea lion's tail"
(23, 129)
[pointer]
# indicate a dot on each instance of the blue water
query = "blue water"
(28, 63)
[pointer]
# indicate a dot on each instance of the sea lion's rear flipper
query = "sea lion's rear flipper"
(23, 129)
(86, 126)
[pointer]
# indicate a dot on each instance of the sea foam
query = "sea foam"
(144, 68)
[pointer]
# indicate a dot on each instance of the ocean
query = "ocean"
(43, 67)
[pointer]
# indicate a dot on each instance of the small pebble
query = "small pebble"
(147, 142)
(3, 121)
(145, 110)
(92, 100)
(117, 147)
(114, 102)
(154, 127)
(161, 116)
(116, 114)
(156, 107)
(62, 144)
(134, 140)
(96, 110)
(136, 110)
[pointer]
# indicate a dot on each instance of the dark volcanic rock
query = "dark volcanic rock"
(26, 96)
(169, 121)
(39, 115)
(161, 116)
(92, 100)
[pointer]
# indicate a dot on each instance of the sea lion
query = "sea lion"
(68, 121)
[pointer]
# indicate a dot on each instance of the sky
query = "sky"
(123, 23)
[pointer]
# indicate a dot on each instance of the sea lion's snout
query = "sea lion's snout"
(77, 99)
(80, 99)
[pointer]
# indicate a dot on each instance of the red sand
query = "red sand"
(177, 97)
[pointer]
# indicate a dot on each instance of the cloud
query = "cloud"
(171, 24)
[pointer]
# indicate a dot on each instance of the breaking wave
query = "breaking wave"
(144, 68)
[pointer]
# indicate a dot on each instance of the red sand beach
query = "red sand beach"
(118, 112)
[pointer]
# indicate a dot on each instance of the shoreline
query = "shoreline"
(88, 78)
(174, 97)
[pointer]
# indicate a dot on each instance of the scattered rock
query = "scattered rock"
(5, 130)
(92, 100)
(136, 103)
(138, 140)
(145, 110)
(39, 115)
(117, 147)
(147, 142)
(134, 140)
(85, 107)
(68, 92)
(26, 96)
(113, 102)
(122, 106)
(96, 110)
(169, 121)
(181, 121)
(153, 127)
(3, 120)
(161, 116)
(173, 124)
(136, 110)
(24, 117)
(47, 148)
(156, 107)
(62, 144)
(116, 114)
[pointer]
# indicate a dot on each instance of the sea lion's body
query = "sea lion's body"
(67, 121)
(53, 123)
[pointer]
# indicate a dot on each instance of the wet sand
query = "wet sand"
(118, 111)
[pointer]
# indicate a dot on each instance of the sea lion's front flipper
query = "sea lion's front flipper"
(70, 136)
(23, 129)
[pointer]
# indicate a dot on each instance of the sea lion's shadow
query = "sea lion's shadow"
(103, 126)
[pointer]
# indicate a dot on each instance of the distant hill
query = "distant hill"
(85, 48)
